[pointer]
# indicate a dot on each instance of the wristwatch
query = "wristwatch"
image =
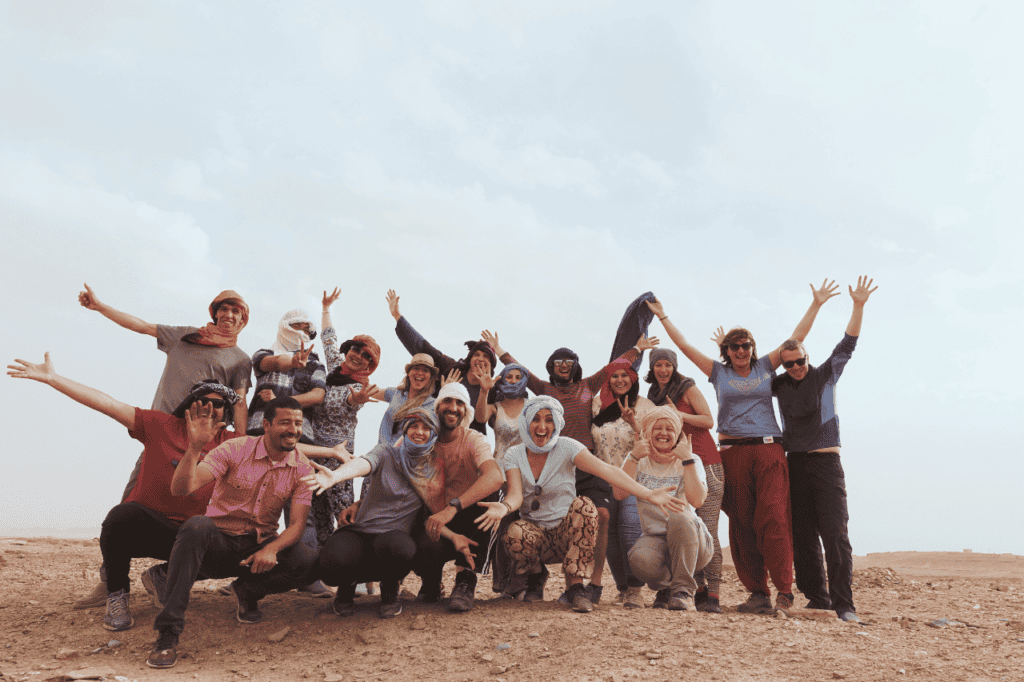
(457, 503)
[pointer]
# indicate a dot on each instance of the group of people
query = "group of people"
(584, 472)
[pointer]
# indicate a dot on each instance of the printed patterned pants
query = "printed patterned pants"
(571, 542)
(711, 575)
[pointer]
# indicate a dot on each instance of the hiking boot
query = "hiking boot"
(430, 593)
(849, 617)
(710, 605)
(577, 597)
(680, 601)
(165, 651)
(98, 597)
(317, 589)
(661, 599)
(390, 604)
(634, 598)
(757, 602)
(535, 585)
(118, 616)
(154, 579)
(463, 593)
(343, 601)
(248, 612)
(784, 603)
(820, 605)
(594, 593)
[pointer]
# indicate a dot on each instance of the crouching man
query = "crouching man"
(254, 477)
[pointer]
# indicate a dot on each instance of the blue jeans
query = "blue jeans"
(623, 532)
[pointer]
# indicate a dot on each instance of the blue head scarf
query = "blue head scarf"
(503, 390)
(530, 409)
(415, 460)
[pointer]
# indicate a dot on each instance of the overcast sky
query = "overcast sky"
(530, 168)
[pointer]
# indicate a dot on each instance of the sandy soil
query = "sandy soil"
(927, 616)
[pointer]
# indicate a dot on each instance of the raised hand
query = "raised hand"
(628, 413)
(825, 292)
(330, 298)
(321, 480)
(492, 341)
(485, 380)
(393, 304)
(684, 448)
(300, 358)
(364, 395)
(88, 299)
(719, 336)
(647, 342)
(200, 425)
(492, 516)
(454, 377)
(863, 291)
(29, 370)
(641, 448)
(656, 308)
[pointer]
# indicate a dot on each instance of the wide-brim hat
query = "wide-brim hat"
(424, 360)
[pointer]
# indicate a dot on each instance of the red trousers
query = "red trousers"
(757, 502)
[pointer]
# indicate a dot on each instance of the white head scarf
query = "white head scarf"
(459, 392)
(530, 408)
(290, 340)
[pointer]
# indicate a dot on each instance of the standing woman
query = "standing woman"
(756, 494)
(618, 409)
(556, 524)
(334, 420)
(669, 387)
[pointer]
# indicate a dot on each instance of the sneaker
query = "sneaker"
(709, 605)
(700, 597)
(344, 609)
(248, 612)
(535, 585)
(784, 602)
(390, 604)
(680, 601)
(634, 598)
(594, 593)
(430, 593)
(227, 590)
(317, 589)
(661, 599)
(462, 596)
(820, 605)
(165, 651)
(154, 579)
(98, 597)
(577, 596)
(849, 617)
(118, 616)
(757, 602)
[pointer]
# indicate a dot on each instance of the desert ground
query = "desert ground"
(926, 616)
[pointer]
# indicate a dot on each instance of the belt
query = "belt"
(766, 440)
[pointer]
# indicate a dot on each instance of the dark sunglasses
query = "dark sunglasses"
(217, 403)
(800, 362)
(564, 362)
(537, 490)
(736, 346)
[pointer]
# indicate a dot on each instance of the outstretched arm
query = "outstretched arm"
(860, 297)
(89, 300)
(703, 362)
(533, 382)
(619, 479)
(803, 327)
(44, 373)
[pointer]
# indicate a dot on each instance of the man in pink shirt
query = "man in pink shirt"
(254, 477)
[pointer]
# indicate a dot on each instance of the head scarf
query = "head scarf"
(459, 392)
(652, 416)
(291, 340)
(574, 376)
(344, 374)
(417, 463)
(610, 410)
(465, 366)
(211, 334)
(530, 410)
(677, 384)
(202, 388)
(503, 390)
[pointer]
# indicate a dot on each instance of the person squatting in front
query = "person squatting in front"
(254, 477)
(674, 546)
(556, 525)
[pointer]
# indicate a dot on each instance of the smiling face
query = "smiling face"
(663, 439)
(418, 432)
(358, 358)
(663, 371)
(513, 376)
(452, 411)
(282, 434)
(621, 382)
(542, 427)
(213, 398)
(480, 362)
(229, 317)
(739, 352)
(796, 371)
(563, 368)
(419, 377)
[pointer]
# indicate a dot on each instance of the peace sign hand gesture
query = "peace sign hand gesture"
(628, 413)
(300, 358)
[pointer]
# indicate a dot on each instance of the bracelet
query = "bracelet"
(630, 456)
(689, 461)
(508, 508)
(662, 319)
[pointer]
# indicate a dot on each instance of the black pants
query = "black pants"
(432, 555)
(201, 546)
(131, 531)
(817, 494)
(351, 557)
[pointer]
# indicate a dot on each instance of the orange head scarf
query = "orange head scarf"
(344, 374)
(211, 334)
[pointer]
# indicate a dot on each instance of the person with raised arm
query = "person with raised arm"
(756, 496)
(415, 390)
(673, 546)
(817, 484)
(479, 359)
(567, 385)
(556, 524)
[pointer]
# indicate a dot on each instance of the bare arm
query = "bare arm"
(618, 478)
(328, 301)
(484, 410)
(514, 498)
(695, 399)
(88, 300)
(703, 362)
(190, 475)
(694, 489)
(338, 452)
(310, 398)
(803, 327)
(860, 297)
(44, 373)
(488, 481)
(323, 478)
(240, 412)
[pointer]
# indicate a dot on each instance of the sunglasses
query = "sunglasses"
(217, 403)
(537, 490)
(564, 362)
(736, 346)
(799, 362)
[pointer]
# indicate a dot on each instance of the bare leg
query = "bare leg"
(600, 546)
